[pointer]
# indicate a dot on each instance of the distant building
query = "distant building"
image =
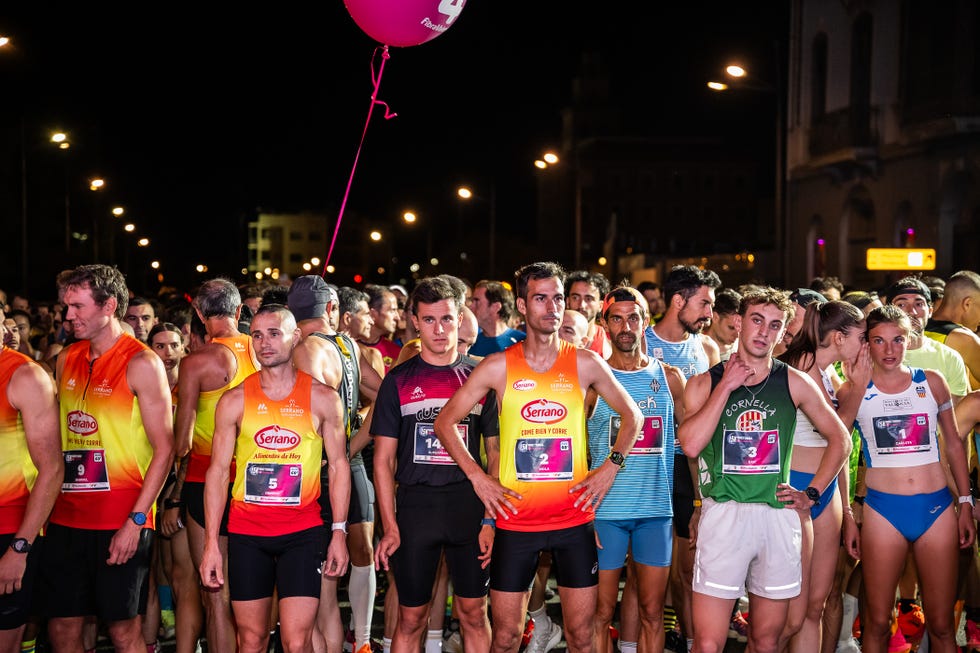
(285, 242)
(883, 141)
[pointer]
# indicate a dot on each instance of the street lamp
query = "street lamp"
(466, 194)
(741, 80)
(60, 139)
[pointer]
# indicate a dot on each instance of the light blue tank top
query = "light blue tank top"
(688, 355)
(643, 489)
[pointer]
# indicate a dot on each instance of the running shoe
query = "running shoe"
(850, 645)
(543, 641)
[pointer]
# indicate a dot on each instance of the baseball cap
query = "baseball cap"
(805, 296)
(908, 286)
(308, 297)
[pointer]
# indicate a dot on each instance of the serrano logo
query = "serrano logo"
(81, 423)
(276, 438)
(524, 384)
(543, 411)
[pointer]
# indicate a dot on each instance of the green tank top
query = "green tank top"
(749, 454)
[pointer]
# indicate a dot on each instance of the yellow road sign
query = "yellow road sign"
(901, 258)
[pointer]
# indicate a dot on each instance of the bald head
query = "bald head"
(574, 328)
(468, 328)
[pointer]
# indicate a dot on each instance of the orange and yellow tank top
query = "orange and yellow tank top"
(207, 403)
(102, 436)
(543, 443)
(17, 472)
(278, 452)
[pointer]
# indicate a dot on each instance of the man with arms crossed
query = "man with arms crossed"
(545, 496)
(28, 434)
(276, 424)
(118, 444)
(740, 418)
(436, 509)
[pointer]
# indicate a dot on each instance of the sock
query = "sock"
(386, 645)
(690, 644)
(361, 591)
(28, 645)
(850, 612)
(670, 618)
(433, 641)
(166, 597)
(627, 647)
(540, 617)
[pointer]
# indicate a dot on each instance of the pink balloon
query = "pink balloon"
(403, 23)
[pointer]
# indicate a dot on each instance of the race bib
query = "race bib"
(428, 449)
(651, 438)
(543, 459)
(273, 484)
(902, 433)
(751, 452)
(85, 470)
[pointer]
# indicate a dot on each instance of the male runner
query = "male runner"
(544, 495)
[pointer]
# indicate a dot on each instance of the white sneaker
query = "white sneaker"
(850, 645)
(543, 641)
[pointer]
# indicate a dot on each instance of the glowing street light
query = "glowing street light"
(118, 211)
(129, 227)
(547, 159)
(376, 236)
(409, 217)
(143, 242)
(96, 184)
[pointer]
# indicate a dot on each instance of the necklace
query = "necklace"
(768, 374)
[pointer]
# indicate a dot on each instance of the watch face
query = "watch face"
(20, 545)
(139, 518)
(813, 494)
(616, 457)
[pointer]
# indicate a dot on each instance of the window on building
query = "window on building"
(295, 235)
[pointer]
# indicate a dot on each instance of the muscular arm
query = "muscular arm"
(31, 391)
(227, 423)
(810, 399)
(327, 405)
(955, 454)
(385, 452)
(189, 390)
(488, 375)
(147, 379)
(703, 405)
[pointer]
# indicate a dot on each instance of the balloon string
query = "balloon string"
(376, 81)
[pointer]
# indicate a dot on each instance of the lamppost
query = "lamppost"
(741, 80)
(60, 139)
(466, 194)
(550, 160)
(96, 185)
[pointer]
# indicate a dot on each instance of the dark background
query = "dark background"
(199, 118)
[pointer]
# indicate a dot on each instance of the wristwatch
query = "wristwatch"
(618, 459)
(139, 518)
(813, 494)
(20, 545)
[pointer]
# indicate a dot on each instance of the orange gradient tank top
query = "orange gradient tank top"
(543, 443)
(278, 453)
(105, 446)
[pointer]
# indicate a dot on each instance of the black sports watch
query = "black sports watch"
(618, 459)
(813, 494)
(20, 545)
(139, 518)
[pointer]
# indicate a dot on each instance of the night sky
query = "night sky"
(197, 121)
